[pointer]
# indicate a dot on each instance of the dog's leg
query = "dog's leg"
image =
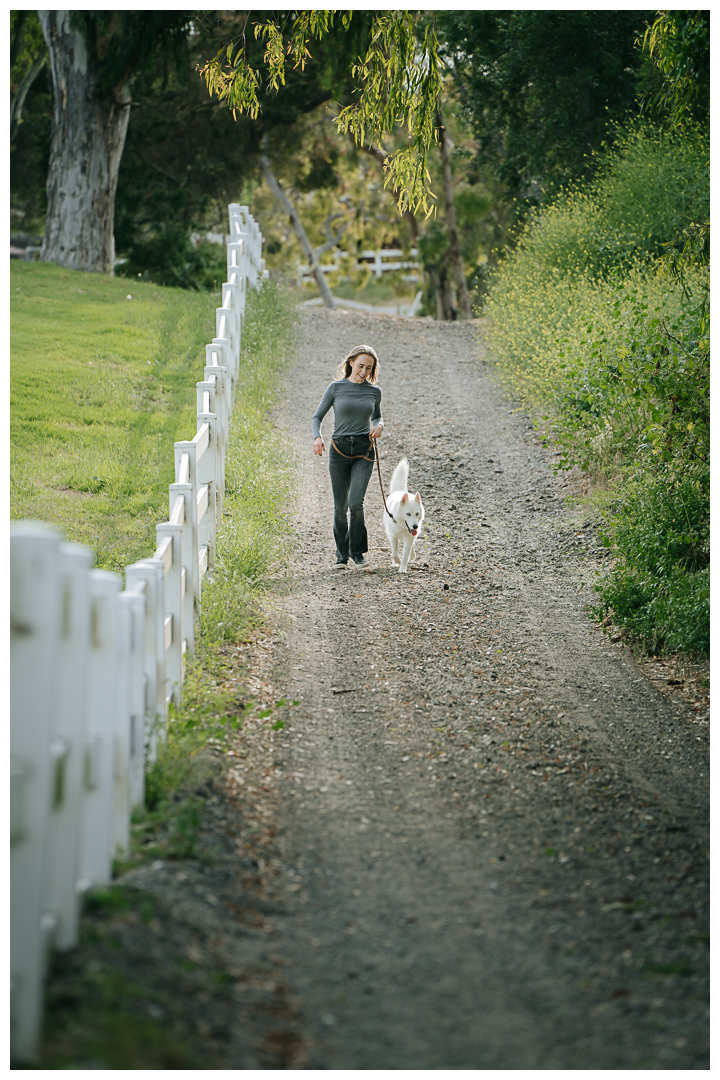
(394, 550)
(407, 551)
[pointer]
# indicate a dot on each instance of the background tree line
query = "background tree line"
(527, 97)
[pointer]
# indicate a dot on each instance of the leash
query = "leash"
(382, 492)
(352, 457)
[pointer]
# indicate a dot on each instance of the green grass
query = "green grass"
(100, 391)
(101, 387)
(259, 483)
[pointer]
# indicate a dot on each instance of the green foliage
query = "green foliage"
(660, 591)
(166, 257)
(539, 87)
(678, 43)
(589, 326)
(562, 276)
(400, 74)
(125, 42)
(30, 124)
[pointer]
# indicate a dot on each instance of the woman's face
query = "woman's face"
(361, 366)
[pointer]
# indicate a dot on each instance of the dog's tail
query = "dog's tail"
(400, 476)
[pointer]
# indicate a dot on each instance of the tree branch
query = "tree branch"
(19, 100)
(305, 244)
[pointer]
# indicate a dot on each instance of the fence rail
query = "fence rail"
(377, 261)
(94, 666)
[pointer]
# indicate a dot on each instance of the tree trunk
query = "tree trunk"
(88, 136)
(465, 310)
(302, 236)
(445, 309)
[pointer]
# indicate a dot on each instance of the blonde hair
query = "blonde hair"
(345, 367)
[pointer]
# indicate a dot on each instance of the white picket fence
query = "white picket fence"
(94, 666)
(381, 262)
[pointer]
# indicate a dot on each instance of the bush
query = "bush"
(589, 326)
(661, 589)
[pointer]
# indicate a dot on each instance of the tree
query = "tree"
(678, 46)
(540, 87)
(93, 57)
(186, 157)
(464, 309)
(400, 75)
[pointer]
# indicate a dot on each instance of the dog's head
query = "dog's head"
(411, 512)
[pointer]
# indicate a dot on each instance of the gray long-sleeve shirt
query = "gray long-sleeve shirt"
(356, 407)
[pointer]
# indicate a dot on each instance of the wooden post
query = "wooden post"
(146, 576)
(134, 601)
(34, 634)
(67, 734)
(120, 714)
(173, 605)
(96, 846)
(455, 253)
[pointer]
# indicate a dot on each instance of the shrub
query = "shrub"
(588, 326)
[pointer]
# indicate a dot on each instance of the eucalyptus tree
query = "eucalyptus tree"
(93, 56)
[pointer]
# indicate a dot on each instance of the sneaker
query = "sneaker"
(361, 563)
(340, 565)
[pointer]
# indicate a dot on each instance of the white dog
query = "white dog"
(405, 518)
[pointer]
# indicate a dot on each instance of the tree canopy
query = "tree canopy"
(399, 76)
(539, 88)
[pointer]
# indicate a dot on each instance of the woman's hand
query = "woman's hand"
(376, 433)
(318, 446)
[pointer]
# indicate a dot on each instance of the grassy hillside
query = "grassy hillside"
(101, 386)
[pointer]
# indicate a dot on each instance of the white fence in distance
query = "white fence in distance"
(381, 262)
(94, 666)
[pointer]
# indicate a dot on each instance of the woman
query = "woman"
(355, 400)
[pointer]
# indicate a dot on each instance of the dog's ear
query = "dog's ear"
(404, 498)
(417, 496)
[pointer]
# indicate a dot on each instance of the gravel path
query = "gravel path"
(496, 827)
(480, 839)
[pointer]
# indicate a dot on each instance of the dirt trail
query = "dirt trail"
(493, 827)
(481, 838)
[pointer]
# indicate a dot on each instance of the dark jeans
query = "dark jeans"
(349, 479)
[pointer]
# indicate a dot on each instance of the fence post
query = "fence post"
(146, 576)
(97, 828)
(188, 555)
(181, 448)
(216, 361)
(34, 632)
(224, 336)
(207, 468)
(67, 747)
(173, 566)
(215, 381)
(134, 601)
(120, 834)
